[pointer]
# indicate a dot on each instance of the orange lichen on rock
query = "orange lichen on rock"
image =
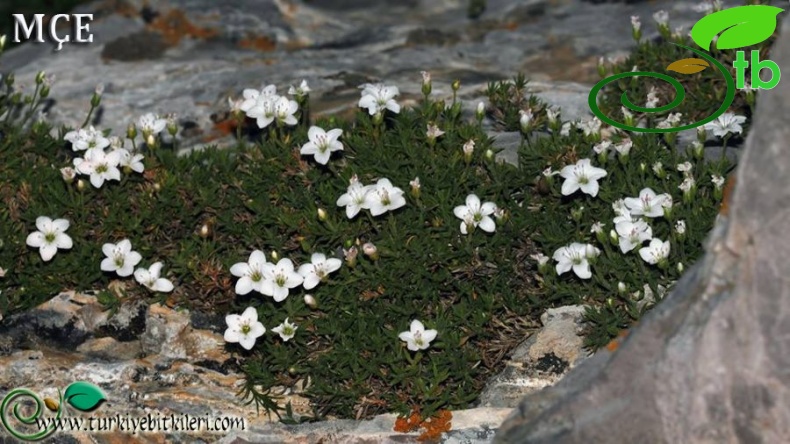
(175, 25)
(433, 426)
(259, 43)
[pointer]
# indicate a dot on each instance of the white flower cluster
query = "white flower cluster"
(102, 157)
(121, 259)
(378, 198)
(266, 106)
(245, 328)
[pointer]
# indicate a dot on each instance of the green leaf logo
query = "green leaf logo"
(741, 26)
(83, 395)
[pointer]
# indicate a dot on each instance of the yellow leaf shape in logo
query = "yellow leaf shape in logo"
(688, 66)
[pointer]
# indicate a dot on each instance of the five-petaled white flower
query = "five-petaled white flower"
(120, 258)
(251, 273)
(357, 197)
(286, 330)
(582, 176)
(433, 132)
(132, 161)
(101, 166)
(385, 197)
(417, 338)
(50, 236)
(648, 204)
(84, 139)
(661, 17)
(476, 214)
(680, 227)
(322, 143)
(632, 234)
(151, 279)
(151, 124)
(280, 279)
(318, 269)
(655, 252)
(377, 97)
(244, 328)
(591, 126)
(726, 123)
(718, 181)
(284, 110)
(575, 256)
(300, 90)
(624, 147)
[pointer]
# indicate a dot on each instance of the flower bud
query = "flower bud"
(310, 301)
(480, 112)
(205, 231)
(622, 288)
(697, 150)
(322, 216)
(468, 149)
(68, 174)
(351, 256)
(613, 237)
(371, 251)
(415, 187)
(378, 118)
(131, 131)
(81, 185)
(577, 213)
(2, 42)
(601, 68)
(426, 83)
(172, 126)
(275, 256)
(456, 85)
(150, 140)
(680, 267)
(489, 154)
(643, 167)
(40, 77)
(9, 79)
(44, 93)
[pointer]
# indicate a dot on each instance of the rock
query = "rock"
(541, 360)
(187, 56)
(709, 363)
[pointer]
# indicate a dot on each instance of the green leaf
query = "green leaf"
(83, 395)
(739, 27)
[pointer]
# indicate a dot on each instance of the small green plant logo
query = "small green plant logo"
(736, 27)
(81, 395)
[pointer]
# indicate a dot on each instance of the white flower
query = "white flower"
(68, 174)
(540, 258)
(652, 98)
(251, 273)
(253, 97)
(684, 167)
(474, 214)
(385, 197)
(50, 237)
(357, 197)
(244, 328)
(632, 234)
(151, 124)
(280, 278)
(648, 204)
(661, 17)
(286, 330)
(658, 168)
(726, 123)
(322, 144)
(120, 258)
(284, 110)
(565, 130)
(619, 208)
(234, 105)
(627, 114)
(592, 126)
(635, 23)
(602, 147)
(151, 279)
(655, 252)
(671, 121)
(582, 176)
(99, 165)
(417, 338)
(548, 172)
(552, 115)
(433, 132)
(597, 227)
(718, 181)
(301, 90)
(469, 147)
(128, 160)
(84, 139)
(377, 97)
(680, 227)
(688, 184)
(318, 269)
(575, 256)
(624, 147)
